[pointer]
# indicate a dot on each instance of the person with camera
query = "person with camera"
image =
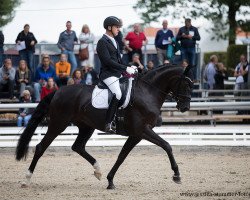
(7, 78)
(112, 67)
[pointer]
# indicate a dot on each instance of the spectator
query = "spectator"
(7, 77)
(48, 88)
(27, 54)
(24, 113)
(23, 76)
(1, 47)
(162, 40)
(136, 62)
(188, 35)
(119, 40)
(241, 73)
(66, 42)
(150, 65)
(136, 40)
(62, 70)
(87, 39)
(89, 76)
(187, 72)
(43, 72)
(210, 71)
(76, 78)
(220, 76)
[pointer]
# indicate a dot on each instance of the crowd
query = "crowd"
(35, 82)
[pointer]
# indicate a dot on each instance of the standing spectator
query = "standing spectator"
(119, 40)
(27, 54)
(136, 62)
(48, 88)
(188, 35)
(7, 77)
(136, 40)
(89, 76)
(87, 39)
(77, 78)
(62, 70)
(162, 40)
(24, 113)
(23, 76)
(66, 42)
(43, 73)
(241, 73)
(220, 76)
(1, 47)
(210, 71)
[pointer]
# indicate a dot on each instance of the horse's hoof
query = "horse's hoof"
(177, 179)
(98, 175)
(24, 185)
(111, 187)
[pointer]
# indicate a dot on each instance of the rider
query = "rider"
(111, 66)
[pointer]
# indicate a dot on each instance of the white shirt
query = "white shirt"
(113, 40)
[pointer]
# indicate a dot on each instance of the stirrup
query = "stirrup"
(111, 127)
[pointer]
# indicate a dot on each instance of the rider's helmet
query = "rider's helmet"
(111, 21)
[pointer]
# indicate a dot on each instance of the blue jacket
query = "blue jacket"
(66, 40)
(185, 42)
(161, 36)
(41, 74)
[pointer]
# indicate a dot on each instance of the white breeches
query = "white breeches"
(114, 85)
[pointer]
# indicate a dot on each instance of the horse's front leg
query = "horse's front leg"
(128, 146)
(151, 136)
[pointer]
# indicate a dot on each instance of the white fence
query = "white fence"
(184, 135)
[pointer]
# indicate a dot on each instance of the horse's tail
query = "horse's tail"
(37, 116)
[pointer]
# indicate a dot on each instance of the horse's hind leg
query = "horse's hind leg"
(53, 131)
(79, 147)
(128, 146)
(151, 136)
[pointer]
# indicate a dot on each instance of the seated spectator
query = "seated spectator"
(24, 113)
(136, 62)
(48, 88)
(220, 76)
(7, 78)
(241, 73)
(62, 70)
(43, 72)
(76, 78)
(187, 69)
(150, 65)
(210, 71)
(89, 76)
(23, 76)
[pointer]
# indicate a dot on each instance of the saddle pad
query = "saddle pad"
(100, 97)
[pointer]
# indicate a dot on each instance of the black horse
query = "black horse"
(71, 104)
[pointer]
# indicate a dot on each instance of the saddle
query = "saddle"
(102, 95)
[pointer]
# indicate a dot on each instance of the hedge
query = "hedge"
(222, 56)
(233, 55)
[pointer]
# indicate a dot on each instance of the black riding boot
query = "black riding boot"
(110, 123)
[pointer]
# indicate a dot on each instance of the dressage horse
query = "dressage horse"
(72, 104)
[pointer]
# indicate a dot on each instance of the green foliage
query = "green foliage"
(222, 13)
(7, 12)
(222, 56)
(233, 54)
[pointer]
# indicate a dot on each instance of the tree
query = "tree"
(222, 13)
(7, 12)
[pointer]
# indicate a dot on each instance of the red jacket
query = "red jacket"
(45, 91)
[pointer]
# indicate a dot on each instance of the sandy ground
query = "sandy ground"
(146, 174)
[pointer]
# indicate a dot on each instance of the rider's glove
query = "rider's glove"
(130, 70)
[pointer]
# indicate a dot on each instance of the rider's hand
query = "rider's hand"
(130, 70)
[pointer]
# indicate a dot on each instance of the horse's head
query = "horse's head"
(182, 93)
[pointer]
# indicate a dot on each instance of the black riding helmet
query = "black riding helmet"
(111, 21)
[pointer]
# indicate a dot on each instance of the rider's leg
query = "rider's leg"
(114, 86)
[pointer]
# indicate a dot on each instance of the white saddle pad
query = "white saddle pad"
(100, 97)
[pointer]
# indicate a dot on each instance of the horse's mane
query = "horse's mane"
(151, 75)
